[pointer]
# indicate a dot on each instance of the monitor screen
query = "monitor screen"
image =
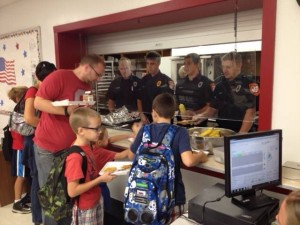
(252, 162)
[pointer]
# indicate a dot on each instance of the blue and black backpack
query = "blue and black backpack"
(149, 194)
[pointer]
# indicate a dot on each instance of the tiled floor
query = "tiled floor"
(7, 217)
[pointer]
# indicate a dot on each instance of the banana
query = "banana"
(206, 133)
(181, 108)
(215, 133)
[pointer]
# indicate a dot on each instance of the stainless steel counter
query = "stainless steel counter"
(210, 167)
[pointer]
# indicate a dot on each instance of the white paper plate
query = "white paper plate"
(118, 165)
(66, 102)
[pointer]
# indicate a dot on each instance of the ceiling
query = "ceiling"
(6, 2)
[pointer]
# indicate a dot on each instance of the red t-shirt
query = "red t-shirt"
(31, 92)
(18, 140)
(97, 157)
(53, 132)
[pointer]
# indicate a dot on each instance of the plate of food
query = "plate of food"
(116, 168)
(66, 102)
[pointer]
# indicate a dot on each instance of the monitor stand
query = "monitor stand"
(254, 200)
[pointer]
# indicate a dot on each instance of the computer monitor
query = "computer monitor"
(252, 162)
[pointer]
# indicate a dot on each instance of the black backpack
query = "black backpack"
(53, 196)
(7, 144)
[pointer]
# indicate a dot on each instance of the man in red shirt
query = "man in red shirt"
(53, 133)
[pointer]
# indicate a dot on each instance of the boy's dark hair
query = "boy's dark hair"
(43, 69)
(164, 104)
(153, 55)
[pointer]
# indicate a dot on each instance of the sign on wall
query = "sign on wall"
(20, 52)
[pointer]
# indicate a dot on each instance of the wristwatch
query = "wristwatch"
(66, 111)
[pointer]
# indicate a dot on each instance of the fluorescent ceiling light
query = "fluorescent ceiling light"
(219, 48)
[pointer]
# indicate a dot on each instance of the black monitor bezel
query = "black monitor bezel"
(227, 163)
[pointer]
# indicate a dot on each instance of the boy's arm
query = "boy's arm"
(120, 137)
(130, 155)
(190, 159)
(122, 155)
(75, 188)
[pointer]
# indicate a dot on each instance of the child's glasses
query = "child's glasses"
(97, 129)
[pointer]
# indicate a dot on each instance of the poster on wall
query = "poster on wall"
(20, 52)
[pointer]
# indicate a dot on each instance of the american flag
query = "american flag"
(7, 71)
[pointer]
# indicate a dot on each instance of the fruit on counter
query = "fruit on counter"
(215, 133)
(181, 108)
(210, 132)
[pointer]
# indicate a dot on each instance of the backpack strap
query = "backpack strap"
(147, 134)
(20, 106)
(169, 135)
(77, 149)
(166, 139)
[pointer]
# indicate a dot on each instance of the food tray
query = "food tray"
(118, 166)
(120, 117)
(66, 102)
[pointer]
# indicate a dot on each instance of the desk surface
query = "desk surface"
(210, 165)
(223, 211)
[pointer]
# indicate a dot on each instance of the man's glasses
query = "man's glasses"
(98, 74)
(97, 129)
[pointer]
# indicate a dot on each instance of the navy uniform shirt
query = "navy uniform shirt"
(233, 98)
(124, 92)
(196, 93)
(150, 87)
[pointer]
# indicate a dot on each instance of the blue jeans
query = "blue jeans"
(44, 159)
(35, 203)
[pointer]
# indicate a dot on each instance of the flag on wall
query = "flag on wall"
(19, 55)
(7, 71)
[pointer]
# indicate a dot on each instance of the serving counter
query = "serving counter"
(211, 167)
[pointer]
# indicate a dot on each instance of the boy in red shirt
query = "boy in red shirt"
(86, 124)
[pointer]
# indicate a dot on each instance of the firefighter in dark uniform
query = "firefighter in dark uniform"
(123, 90)
(151, 85)
(195, 91)
(234, 97)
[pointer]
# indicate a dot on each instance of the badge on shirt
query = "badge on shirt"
(158, 83)
(254, 89)
(134, 84)
(238, 88)
(200, 84)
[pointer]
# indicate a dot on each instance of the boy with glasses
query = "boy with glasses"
(86, 124)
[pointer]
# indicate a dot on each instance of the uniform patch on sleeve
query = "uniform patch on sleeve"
(254, 89)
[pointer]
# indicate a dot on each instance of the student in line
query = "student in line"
(16, 94)
(32, 117)
(86, 124)
(163, 109)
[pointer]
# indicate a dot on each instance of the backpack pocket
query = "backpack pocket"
(142, 202)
